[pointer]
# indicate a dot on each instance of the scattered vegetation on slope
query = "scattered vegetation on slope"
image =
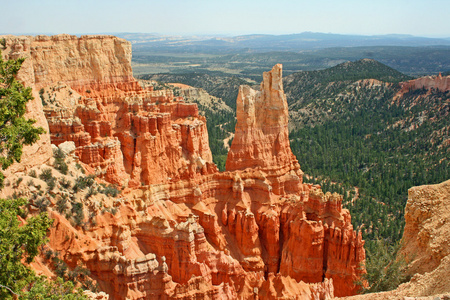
(385, 271)
(358, 136)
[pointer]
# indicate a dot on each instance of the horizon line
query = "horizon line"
(218, 34)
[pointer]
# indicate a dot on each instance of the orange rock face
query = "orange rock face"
(151, 138)
(439, 82)
(128, 135)
(313, 246)
(182, 229)
(426, 227)
(424, 245)
(94, 61)
(40, 152)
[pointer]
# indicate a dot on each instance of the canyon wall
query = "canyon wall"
(19, 47)
(94, 61)
(125, 134)
(181, 228)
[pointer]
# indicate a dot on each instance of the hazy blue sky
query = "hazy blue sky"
(417, 17)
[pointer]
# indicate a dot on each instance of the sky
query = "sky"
(429, 18)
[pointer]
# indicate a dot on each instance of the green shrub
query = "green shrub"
(79, 167)
(91, 192)
(61, 204)
(65, 183)
(60, 267)
(111, 210)
(51, 184)
(59, 289)
(83, 182)
(61, 166)
(60, 163)
(78, 274)
(18, 181)
(48, 254)
(77, 210)
(59, 154)
(111, 191)
(385, 269)
(41, 204)
(46, 175)
(89, 285)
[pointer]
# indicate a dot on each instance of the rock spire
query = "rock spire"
(262, 138)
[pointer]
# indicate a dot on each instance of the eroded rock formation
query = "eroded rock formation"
(262, 138)
(127, 135)
(441, 83)
(16, 47)
(181, 228)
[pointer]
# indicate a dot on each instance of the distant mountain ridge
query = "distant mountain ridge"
(248, 56)
(267, 42)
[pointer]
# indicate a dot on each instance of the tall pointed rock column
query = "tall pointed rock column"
(261, 138)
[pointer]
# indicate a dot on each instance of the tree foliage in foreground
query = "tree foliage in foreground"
(18, 243)
(15, 129)
(53, 290)
(21, 237)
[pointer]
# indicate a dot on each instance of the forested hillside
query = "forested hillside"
(225, 87)
(349, 130)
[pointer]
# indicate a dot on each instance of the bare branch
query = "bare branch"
(9, 289)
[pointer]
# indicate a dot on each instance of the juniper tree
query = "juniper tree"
(15, 129)
(20, 243)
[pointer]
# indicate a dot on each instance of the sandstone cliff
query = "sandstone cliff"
(426, 236)
(97, 62)
(425, 245)
(17, 47)
(119, 128)
(181, 229)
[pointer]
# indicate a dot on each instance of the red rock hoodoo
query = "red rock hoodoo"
(261, 138)
(182, 229)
